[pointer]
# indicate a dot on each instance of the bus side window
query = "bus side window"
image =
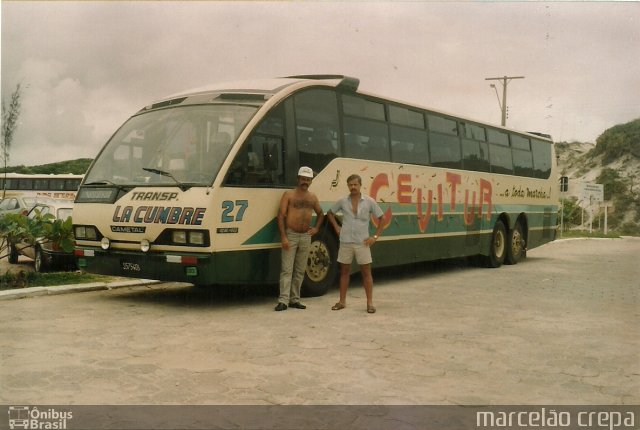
(366, 139)
(352, 147)
(501, 159)
(260, 161)
(316, 113)
(445, 151)
(522, 163)
(541, 158)
(409, 145)
(475, 155)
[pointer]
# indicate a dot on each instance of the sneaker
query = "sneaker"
(281, 307)
(297, 305)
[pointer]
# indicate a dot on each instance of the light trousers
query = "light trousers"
(294, 264)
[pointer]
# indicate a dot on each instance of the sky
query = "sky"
(85, 67)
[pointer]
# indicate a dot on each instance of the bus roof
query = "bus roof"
(258, 91)
(262, 86)
(261, 89)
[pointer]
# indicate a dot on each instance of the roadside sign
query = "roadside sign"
(592, 193)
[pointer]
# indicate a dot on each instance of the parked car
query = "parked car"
(21, 204)
(45, 253)
(16, 205)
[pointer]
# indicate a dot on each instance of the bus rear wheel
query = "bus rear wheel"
(322, 266)
(498, 246)
(515, 245)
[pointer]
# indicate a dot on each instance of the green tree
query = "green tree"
(10, 115)
(571, 213)
(614, 185)
(78, 167)
(619, 190)
(618, 141)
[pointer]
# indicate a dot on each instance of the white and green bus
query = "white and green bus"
(188, 188)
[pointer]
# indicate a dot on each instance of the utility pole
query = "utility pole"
(505, 80)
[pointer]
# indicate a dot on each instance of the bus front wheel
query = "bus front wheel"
(498, 246)
(322, 266)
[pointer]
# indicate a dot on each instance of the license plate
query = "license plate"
(130, 267)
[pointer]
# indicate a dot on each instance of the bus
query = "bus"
(18, 417)
(188, 188)
(19, 192)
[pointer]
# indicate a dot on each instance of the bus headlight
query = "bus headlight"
(179, 237)
(196, 238)
(80, 232)
(144, 245)
(85, 232)
(105, 243)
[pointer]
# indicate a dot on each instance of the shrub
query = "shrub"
(20, 279)
(630, 229)
(16, 228)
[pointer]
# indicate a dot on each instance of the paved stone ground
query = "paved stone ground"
(559, 328)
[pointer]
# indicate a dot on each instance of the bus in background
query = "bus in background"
(188, 188)
(20, 192)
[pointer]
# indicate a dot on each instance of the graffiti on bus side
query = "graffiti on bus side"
(477, 202)
(57, 195)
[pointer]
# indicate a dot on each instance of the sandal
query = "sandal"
(371, 309)
(337, 306)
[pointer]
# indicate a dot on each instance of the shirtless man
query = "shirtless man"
(294, 223)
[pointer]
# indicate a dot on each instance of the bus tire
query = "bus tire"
(498, 246)
(515, 245)
(40, 262)
(13, 254)
(322, 265)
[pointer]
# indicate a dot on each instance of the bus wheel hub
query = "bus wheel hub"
(318, 262)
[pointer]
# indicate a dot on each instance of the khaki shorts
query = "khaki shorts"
(348, 250)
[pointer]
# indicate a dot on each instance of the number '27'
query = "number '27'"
(229, 208)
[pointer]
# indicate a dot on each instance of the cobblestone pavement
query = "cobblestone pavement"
(559, 328)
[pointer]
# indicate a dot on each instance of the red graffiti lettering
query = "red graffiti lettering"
(468, 217)
(404, 188)
(454, 179)
(423, 220)
(485, 197)
(378, 182)
(440, 204)
(477, 203)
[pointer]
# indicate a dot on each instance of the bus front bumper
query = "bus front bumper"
(160, 266)
(254, 267)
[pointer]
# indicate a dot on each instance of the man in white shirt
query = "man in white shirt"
(354, 238)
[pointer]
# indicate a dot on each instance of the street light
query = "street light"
(505, 80)
(497, 96)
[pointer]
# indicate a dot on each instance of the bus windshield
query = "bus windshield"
(184, 145)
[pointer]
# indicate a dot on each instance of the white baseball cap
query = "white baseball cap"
(306, 172)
